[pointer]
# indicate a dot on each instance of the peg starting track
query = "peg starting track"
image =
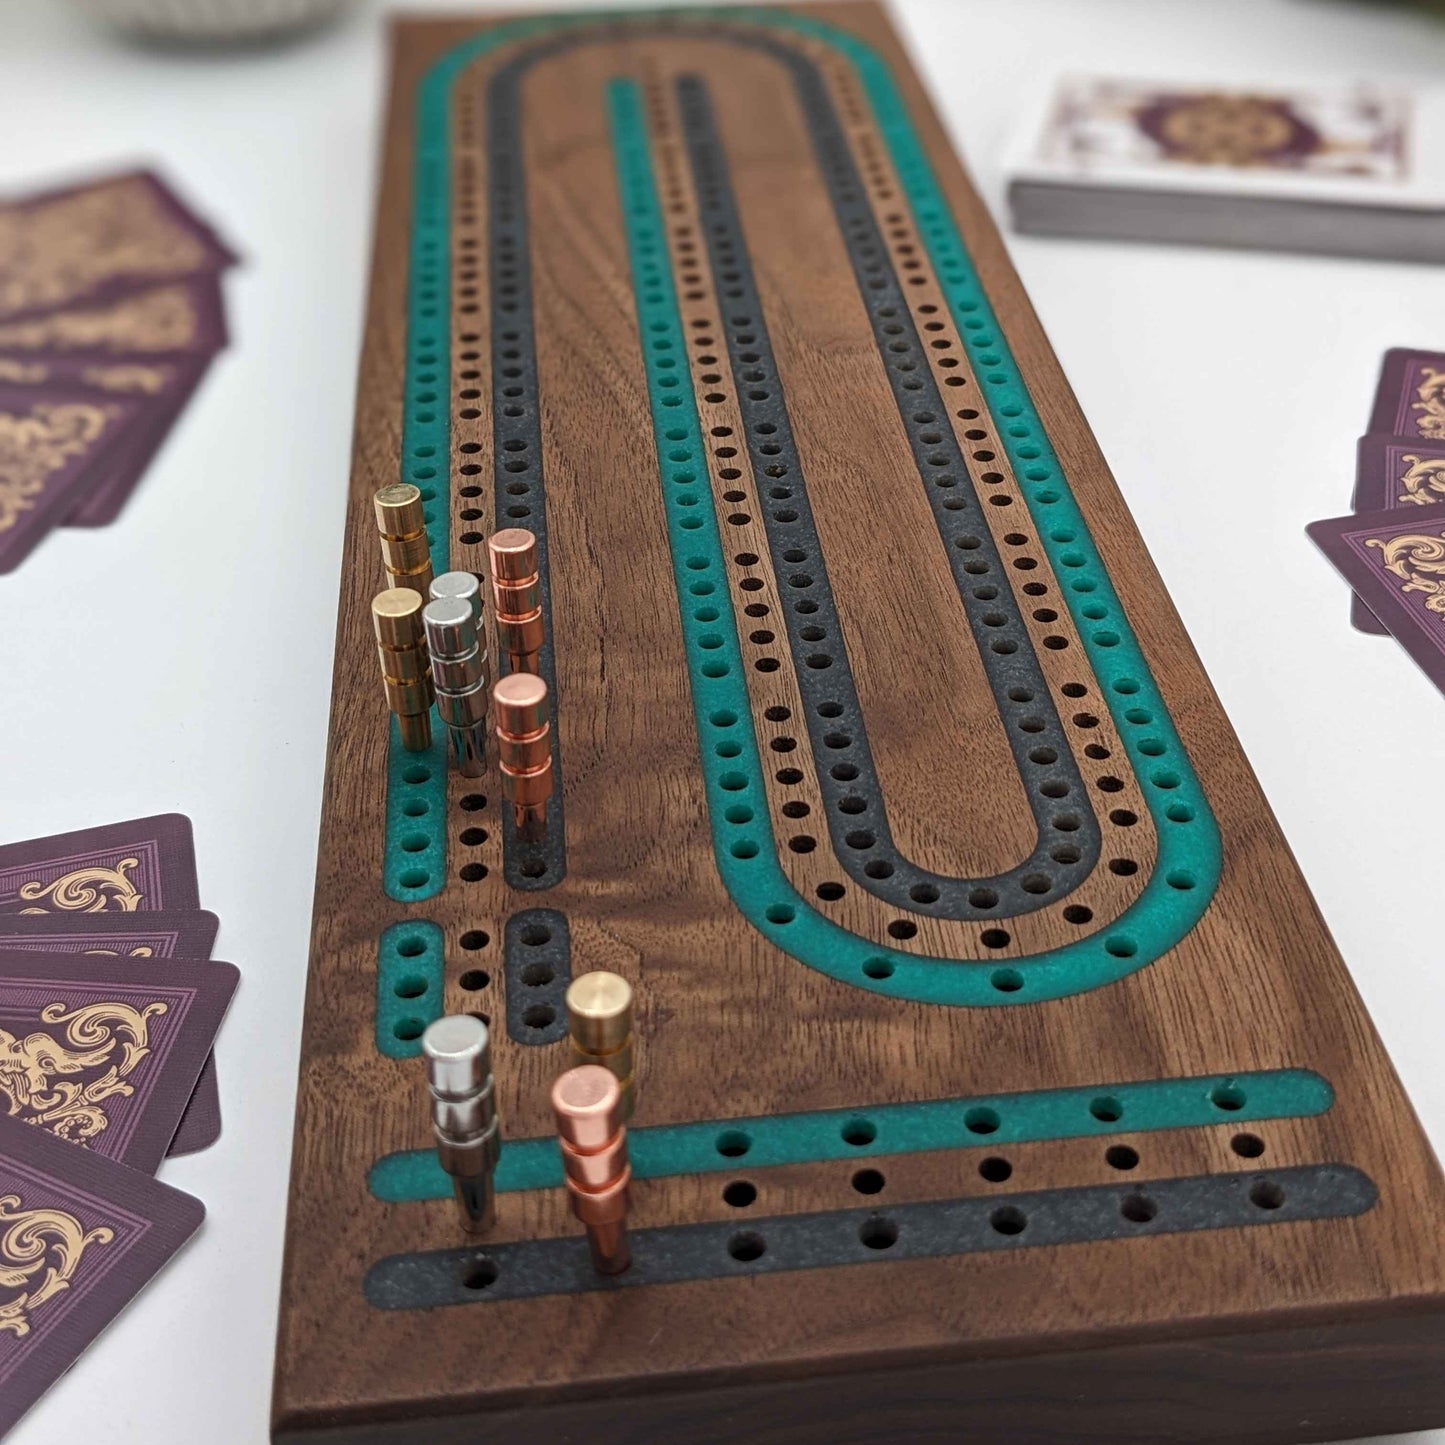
(996, 1077)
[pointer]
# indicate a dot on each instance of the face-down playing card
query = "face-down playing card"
(55, 446)
(113, 935)
(176, 318)
(1410, 397)
(1393, 471)
(89, 243)
(105, 1053)
(181, 323)
(1395, 561)
(137, 936)
(159, 387)
(80, 1236)
(141, 865)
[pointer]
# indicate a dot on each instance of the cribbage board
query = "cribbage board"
(997, 1078)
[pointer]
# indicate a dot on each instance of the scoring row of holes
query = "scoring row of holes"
(995, 1169)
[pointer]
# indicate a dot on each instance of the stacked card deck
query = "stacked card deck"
(1391, 548)
(110, 1003)
(1337, 167)
(110, 314)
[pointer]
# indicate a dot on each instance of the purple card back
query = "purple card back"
(1410, 397)
(180, 317)
(141, 865)
(1393, 471)
(1395, 561)
(106, 1053)
(113, 491)
(92, 242)
(160, 389)
(80, 1236)
(133, 936)
(55, 448)
(113, 935)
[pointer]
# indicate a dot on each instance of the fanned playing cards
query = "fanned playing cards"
(123, 890)
(109, 1007)
(110, 313)
(106, 1052)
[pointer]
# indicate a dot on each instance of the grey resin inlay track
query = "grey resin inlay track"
(1067, 846)
(937, 1229)
(1068, 840)
(518, 485)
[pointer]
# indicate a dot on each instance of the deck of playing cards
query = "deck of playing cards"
(1348, 168)
(110, 313)
(1391, 549)
(109, 1006)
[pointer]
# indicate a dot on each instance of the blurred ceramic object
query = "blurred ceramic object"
(213, 22)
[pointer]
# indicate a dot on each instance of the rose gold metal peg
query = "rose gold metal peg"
(517, 596)
(405, 552)
(524, 739)
(405, 667)
(587, 1103)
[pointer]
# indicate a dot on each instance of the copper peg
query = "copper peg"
(587, 1102)
(599, 1019)
(524, 738)
(405, 669)
(516, 596)
(405, 551)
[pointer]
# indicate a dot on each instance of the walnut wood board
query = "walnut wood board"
(889, 778)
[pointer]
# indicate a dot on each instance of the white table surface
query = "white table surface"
(181, 659)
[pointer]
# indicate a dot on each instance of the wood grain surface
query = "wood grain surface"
(1303, 1331)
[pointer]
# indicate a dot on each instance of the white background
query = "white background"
(181, 659)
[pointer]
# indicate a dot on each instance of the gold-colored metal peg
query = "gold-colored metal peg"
(517, 597)
(599, 1019)
(405, 668)
(405, 552)
(524, 739)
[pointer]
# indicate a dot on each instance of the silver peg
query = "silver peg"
(458, 1056)
(459, 676)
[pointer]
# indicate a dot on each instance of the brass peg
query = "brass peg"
(405, 670)
(405, 552)
(599, 1019)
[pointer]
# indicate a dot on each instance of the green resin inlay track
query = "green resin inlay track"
(1189, 858)
(415, 861)
(744, 847)
(718, 1146)
(410, 976)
